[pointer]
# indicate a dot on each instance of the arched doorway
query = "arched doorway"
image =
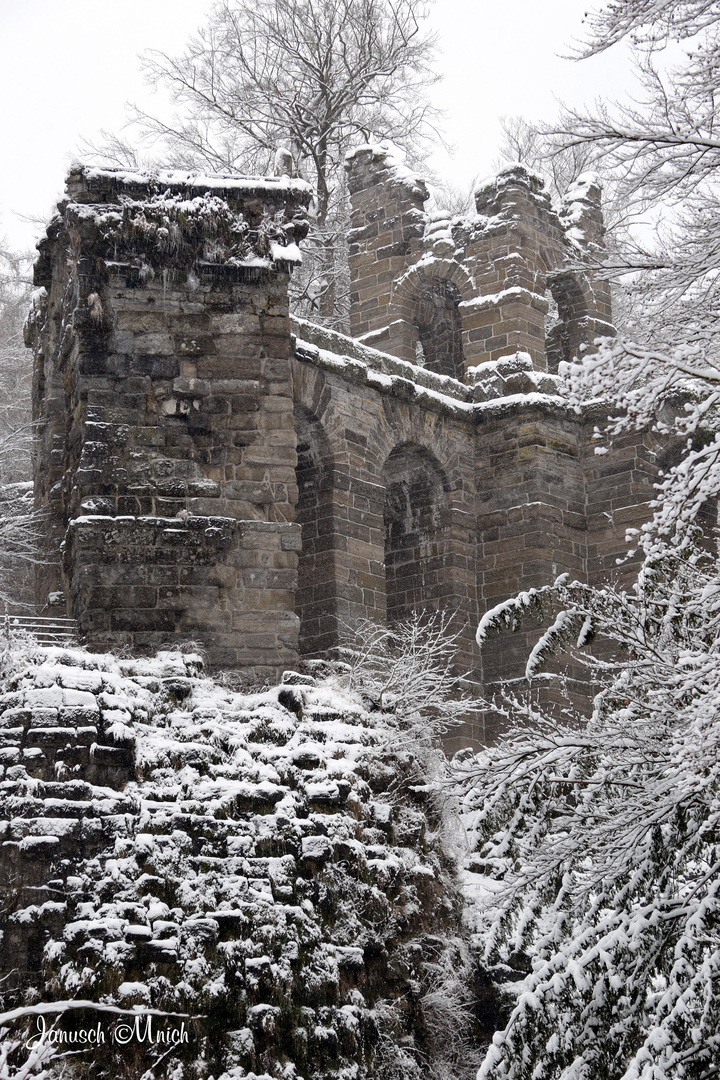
(315, 600)
(439, 328)
(566, 326)
(414, 519)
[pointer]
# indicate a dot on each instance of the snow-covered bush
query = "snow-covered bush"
(407, 671)
(21, 530)
(30, 1066)
(676, 393)
(599, 836)
(20, 526)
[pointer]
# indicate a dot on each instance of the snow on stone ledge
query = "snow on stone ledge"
(439, 393)
(289, 253)
(394, 161)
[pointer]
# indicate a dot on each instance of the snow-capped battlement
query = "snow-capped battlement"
(462, 291)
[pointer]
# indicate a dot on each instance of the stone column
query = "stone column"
(386, 237)
(509, 259)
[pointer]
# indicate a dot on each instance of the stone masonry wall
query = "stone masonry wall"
(433, 501)
(228, 584)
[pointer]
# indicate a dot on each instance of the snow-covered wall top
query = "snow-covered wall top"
(92, 180)
(509, 382)
(182, 219)
(215, 471)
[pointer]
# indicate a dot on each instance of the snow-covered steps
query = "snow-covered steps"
(262, 861)
(46, 629)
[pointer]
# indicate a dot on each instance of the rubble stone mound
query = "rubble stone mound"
(268, 867)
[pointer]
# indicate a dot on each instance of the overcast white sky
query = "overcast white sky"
(67, 68)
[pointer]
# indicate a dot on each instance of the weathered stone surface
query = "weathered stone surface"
(464, 291)
(162, 339)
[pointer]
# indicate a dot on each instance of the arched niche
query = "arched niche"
(438, 324)
(426, 304)
(315, 601)
(567, 323)
(414, 512)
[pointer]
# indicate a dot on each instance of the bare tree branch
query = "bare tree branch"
(312, 76)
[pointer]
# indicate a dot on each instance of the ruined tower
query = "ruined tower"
(162, 389)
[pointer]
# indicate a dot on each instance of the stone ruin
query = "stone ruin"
(216, 470)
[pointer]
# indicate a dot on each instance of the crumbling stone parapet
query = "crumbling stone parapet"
(387, 228)
(518, 275)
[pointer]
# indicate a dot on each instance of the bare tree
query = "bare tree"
(20, 527)
(15, 369)
(453, 200)
(664, 152)
(560, 164)
(15, 382)
(303, 77)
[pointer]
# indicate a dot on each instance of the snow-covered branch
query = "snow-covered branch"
(602, 839)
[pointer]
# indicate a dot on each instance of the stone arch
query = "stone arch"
(414, 517)
(315, 602)
(568, 329)
(427, 301)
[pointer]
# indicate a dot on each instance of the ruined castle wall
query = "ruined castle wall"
(531, 523)
(387, 226)
(216, 471)
(398, 534)
(619, 485)
(433, 501)
(489, 278)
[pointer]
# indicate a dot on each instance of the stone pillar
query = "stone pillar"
(583, 299)
(386, 237)
(163, 360)
(509, 260)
